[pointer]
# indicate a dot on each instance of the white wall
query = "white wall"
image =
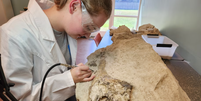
(180, 20)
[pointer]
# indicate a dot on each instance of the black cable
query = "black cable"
(41, 90)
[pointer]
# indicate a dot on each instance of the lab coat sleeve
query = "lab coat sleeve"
(17, 62)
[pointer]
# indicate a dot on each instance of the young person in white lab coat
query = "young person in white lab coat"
(45, 35)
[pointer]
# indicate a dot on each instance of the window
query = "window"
(125, 12)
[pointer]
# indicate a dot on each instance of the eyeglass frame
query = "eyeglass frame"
(87, 22)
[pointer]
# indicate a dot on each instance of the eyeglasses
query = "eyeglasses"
(87, 22)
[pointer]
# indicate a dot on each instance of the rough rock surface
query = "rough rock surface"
(148, 29)
(129, 70)
(121, 29)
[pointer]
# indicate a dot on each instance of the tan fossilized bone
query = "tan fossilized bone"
(148, 29)
(129, 70)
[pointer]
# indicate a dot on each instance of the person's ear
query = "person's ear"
(74, 5)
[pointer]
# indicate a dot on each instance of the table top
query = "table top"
(188, 78)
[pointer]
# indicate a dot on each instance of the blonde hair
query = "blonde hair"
(94, 7)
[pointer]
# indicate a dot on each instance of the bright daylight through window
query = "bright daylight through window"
(125, 12)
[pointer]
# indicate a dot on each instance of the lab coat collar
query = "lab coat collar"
(36, 7)
(43, 24)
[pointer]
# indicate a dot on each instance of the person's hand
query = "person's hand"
(81, 73)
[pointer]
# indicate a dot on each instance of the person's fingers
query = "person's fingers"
(89, 70)
(80, 64)
(86, 75)
(84, 68)
(88, 79)
(79, 72)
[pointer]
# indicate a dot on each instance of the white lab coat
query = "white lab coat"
(28, 49)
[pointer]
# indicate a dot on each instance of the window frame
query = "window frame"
(111, 19)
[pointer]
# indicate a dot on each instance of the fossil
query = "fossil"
(129, 70)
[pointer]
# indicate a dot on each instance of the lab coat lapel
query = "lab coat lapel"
(46, 32)
(42, 24)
